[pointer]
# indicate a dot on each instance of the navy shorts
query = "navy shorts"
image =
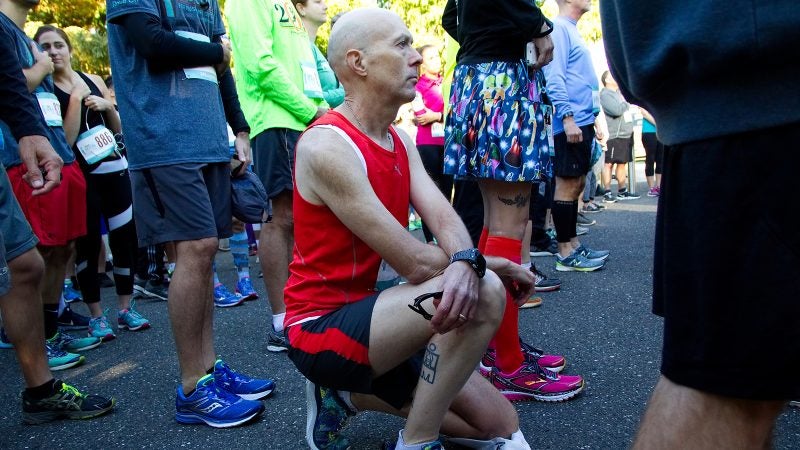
(182, 202)
(273, 159)
(573, 160)
(727, 265)
(16, 235)
(332, 351)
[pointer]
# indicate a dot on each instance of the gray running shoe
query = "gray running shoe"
(149, 289)
(577, 263)
(580, 231)
(585, 221)
(276, 342)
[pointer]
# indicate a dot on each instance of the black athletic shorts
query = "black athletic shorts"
(573, 160)
(727, 265)
(332, 351)
(273, 159)
(619, 150)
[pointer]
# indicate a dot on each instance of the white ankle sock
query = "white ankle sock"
(277, 321)
(401, 445)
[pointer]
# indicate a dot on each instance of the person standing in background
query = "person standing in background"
(619, 147)
(313, 13)
(654, 154)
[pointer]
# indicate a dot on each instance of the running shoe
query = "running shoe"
(99, 327)
(531, 382)
(577, 263)
(149, 289)
(533, 302)
(214, 406)
(437, 445)
(70, 293)
(4, 341)
(553, 363)
(550, 250)
(245, 288)
(591, 207)
(585, 221)
(70, 320)
(795, 403)
(58, 359)
(326, 415)
(580, 231)
(276, 341)
(543, 282)
(130, 319)
(627, 195)
(654, 191)
(239, 384)
(590, 254)
(66, 403)
(252, 250)
(69, 343)
(223, 298)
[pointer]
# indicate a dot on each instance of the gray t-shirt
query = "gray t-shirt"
(9, 152)
(168, 117)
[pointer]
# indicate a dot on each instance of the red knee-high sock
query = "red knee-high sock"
(506, 340)
(482, 240)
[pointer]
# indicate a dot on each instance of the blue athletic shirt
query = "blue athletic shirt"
(9, 154)
(571, 79)
(168, 117)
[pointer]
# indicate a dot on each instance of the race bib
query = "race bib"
(51, 108)
(437, 129)
(595, 102)
(206, 73)
(96, 143)
(311, 84)
(627, 116)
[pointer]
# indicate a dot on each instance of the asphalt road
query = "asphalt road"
(600, 321)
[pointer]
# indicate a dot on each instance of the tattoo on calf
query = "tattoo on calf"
(429, 363)
(520, 201)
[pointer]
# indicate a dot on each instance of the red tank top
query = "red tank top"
(331, 266)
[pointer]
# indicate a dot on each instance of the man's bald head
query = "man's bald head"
(356, 30)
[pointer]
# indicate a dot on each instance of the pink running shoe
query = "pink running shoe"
(531, 382)
(553, 363)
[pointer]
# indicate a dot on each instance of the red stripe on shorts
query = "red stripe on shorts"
(332, 339)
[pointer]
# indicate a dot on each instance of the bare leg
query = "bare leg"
(55, 259)
(275, 250)
(22, 314)
(191, 309)
(526, 243)
(681, 417)
(622, 176)
(605, 176)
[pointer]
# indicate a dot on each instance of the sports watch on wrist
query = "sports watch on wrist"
(474, 258)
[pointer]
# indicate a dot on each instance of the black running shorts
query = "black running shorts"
(727, 265)
(573, 160)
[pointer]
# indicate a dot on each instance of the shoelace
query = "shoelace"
(71, 390)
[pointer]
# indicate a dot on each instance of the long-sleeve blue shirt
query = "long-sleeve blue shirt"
(571, 79)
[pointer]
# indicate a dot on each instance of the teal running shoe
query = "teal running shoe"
(130, 319)
(58, 359)
(214, 406)
(70, 293)
(100, 328)
(241, 385)
(223, 298)
(70, 343)
(326, 415)
(66, 403)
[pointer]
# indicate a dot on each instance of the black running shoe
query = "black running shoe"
(70, 320)
(66, 403)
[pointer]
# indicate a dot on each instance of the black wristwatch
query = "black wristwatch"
(474, 258)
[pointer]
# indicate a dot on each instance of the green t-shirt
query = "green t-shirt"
(274, 67)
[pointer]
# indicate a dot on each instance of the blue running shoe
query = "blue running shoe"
(213, 406)
(326, 415)
(241, 385)
(586, 252)
(130, 319)
(223, 298)
(100, 328)
(70, 343)
(577, 263)
(70, 293)
(4, 342)
(70, 320)
(58, 359)
(245, 288)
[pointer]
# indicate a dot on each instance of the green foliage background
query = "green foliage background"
(84, 22)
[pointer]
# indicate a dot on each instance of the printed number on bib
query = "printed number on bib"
(206, 73)
(311, 84)
(96, 143)
(51, 108)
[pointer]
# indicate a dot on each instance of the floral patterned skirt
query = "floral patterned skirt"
(499, 123)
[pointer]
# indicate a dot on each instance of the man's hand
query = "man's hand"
(42, 163)
(574, 133)
(460, 285)
(243, 152)
(226, 57)
(42, 59)
(544, 51)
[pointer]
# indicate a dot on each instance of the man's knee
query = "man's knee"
(492, 299)
(204, 248)
(282, 216)
(27, 268)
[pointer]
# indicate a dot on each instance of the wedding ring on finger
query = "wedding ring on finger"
(462, 317)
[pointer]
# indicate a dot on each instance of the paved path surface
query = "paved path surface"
(601, 321)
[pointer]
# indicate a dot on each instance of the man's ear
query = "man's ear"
(355, 61)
